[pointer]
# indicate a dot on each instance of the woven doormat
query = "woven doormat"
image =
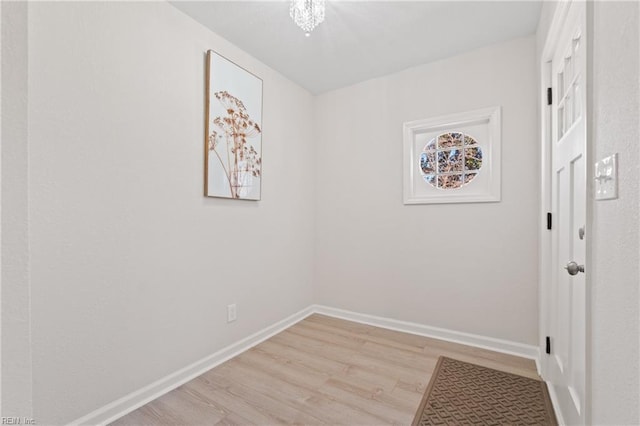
(460, 393)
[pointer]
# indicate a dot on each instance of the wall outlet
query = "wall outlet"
(231, 312)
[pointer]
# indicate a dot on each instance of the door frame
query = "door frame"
(546, 162)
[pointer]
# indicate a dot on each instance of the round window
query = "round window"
(451, 160)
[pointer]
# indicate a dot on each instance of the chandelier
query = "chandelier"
(307, 14)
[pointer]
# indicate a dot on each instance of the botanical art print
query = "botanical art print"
(233, 157)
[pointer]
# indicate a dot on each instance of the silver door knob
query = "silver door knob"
(573, 268)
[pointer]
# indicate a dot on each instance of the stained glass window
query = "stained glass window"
(451, 160)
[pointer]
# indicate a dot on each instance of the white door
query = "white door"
(567, 322)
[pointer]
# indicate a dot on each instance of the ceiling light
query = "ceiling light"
(307, 14)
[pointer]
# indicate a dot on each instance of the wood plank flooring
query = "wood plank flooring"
(322, 370)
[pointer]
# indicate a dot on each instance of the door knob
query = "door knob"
(573, 268)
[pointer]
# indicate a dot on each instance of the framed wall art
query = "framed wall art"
(233, 146)
(453, 158)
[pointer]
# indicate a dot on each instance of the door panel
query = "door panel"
(567, 320)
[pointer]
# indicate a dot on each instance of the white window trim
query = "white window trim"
(450, 123)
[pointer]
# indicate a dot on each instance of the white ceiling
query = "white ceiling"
(360, 40)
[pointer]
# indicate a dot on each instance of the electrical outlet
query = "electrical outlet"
(231, 312)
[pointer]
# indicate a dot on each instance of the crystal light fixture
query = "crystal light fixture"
(307, 14)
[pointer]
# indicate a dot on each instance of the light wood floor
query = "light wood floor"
(322, 370)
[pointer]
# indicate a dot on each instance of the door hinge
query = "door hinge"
(548, 348)
(549, 220)
(549, 96)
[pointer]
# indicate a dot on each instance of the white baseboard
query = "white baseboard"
(130, 402)
(134, 400)
(484, 342)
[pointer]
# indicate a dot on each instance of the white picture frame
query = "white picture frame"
(484, 126)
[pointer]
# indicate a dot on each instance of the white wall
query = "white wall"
(615, 320)
(16, 318)
(465, 267)
(547, 12)
(131, 267)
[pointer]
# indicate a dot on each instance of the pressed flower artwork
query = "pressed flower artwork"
(233, 154)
